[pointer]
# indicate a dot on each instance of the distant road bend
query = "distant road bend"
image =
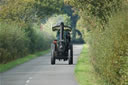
(39, 71)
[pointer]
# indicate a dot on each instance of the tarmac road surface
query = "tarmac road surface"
(39, 71)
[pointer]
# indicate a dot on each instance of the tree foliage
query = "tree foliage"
(28, 10)
(95, 11)
(17, 10)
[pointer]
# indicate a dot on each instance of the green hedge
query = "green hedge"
(13, 42)
(109, 50)
(16, 42)
(104, 24)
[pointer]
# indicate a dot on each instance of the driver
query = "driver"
(66, 35)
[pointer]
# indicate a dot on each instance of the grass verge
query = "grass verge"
(84, 71)
(9, 65)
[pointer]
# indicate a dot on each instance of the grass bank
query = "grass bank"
(9, 65)
(84, 71)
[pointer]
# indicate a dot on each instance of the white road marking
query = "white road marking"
(27, 81)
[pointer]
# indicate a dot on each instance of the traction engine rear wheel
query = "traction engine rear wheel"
(71, 55)
(53, 54)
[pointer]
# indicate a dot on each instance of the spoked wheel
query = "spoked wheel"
(70, 54)
(53, 54)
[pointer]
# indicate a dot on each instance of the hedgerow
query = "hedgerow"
(16, 42)
(104, 25)
(13, 42)
(109, 50)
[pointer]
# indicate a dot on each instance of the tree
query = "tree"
(74, 17)
(16, 10)
(46, 8)
(28, 10)
(94, 11)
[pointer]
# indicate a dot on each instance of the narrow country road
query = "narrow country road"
(39, 71)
